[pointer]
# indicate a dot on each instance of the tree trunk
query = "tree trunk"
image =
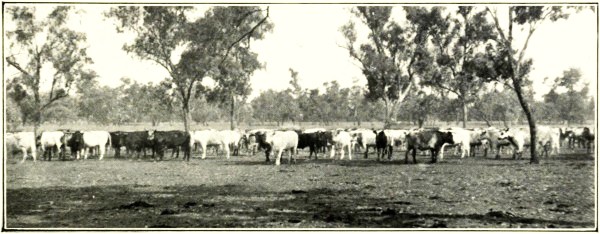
(232, 122)
(530, 120)
(186, 117)
(465, 113)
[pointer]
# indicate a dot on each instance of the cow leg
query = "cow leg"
(434, 154)
(332, 153)
(406, 156)
(204, 148)
(278, 159)
(24, 150)
(390, 150)
(414, 154)
(367, 151)
(311, 150)
(290, 157)
(349, 152)
(101, 151)
(227, 150)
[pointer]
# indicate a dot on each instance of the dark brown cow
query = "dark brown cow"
(427, 139)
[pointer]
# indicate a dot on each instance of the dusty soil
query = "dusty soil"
(246, 192)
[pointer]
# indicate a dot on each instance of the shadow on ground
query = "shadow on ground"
(139, 206)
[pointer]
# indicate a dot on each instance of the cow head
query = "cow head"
(326, 137)
(76, 140)
(504, 134)
(151, 134)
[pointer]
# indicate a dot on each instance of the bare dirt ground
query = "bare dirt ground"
(246, 192)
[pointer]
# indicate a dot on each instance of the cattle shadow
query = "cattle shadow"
(233, 205)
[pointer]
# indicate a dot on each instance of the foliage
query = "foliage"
(569, 106)
(393, 55)
(206, 44)
(458, 38)
(37, 44)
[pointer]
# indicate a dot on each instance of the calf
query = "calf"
(170, 139)
(432, 140)
(283, 140)
(341, 139)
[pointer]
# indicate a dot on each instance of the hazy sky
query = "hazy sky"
(307, 38)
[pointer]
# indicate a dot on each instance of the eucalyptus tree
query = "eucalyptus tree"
(237, 27)
(510, 60)
(457, 38)
(162, 32)
(392, 55)
(40, 44)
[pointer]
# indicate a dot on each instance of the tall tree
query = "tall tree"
(392, 56)
(569, 106)
(160, 32)
(233, 29)
(511, 62)
(206, 42)
(38, 43)
(457, 38)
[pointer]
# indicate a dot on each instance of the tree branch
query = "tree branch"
(247, 34)
(497, 24)
(11, 62)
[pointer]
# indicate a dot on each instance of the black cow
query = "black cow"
(381, 144)
(426, 140)
(313, 140)
(589, 137)
(261, 140)
(170, 139)
(75, 142)
(117, 141)
(137, 142)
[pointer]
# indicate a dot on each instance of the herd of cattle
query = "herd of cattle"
(434, 140)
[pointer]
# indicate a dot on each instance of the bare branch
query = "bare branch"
(497, 24)
(12, 62)
(247, 34)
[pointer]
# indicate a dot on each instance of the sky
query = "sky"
(307, 39)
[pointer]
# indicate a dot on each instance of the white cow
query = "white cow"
(283, 140)
(365, 139)
(548, 136)
(92, 139)
(312, 130)
(231, 140)
(461, 138)
(51, 139)
(25, 141)
(342, 139)
(518, 137)
(223, 139)
(395, 137)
